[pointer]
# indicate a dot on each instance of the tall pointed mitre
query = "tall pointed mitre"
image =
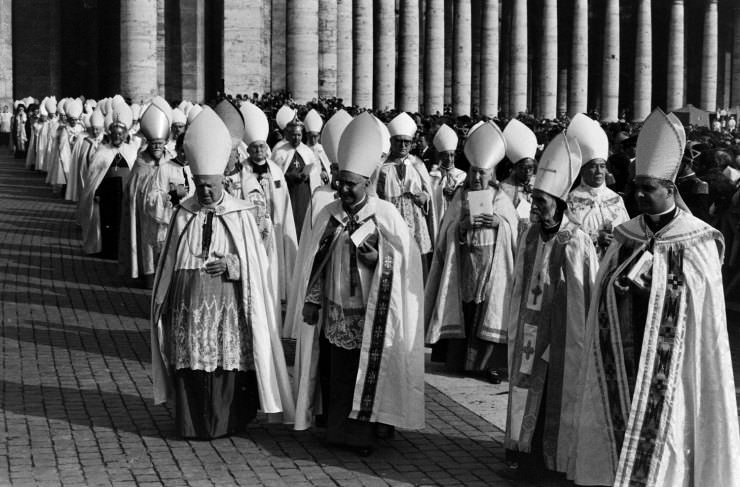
(284, 116)
(51, 105)
(42, 110)
(156, 120)
(256, 125)
(591, 138)
(445, 140)
(60, 106)
(313, 121)
(185, 106)
(559, 166)
(74, 108)
(120, 113)
(207, 144)
(178, 116)
(521, 142)
(97, 119)
(233, 120)
(193, 112)
(332, 133)
(402, 125)
(104, 106)
(485, 147)
(475, 126)
(386, 135)
(360, 147)
(660, 146)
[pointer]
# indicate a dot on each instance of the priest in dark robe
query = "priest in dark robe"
(554, 271)
(216, 349)
(302, 171)
(356, 305)
(658, 404)
(104, 182)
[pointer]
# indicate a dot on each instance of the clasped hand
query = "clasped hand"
(216, 267)
(367, 252)
(479, 221)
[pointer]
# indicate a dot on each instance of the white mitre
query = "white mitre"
(156, 120)
(178, 116)
(256, 125)
(313, 122)
(74, 108)
(559, 166)
(591, 138)
(521, 142)
(360, 147)
(193, 112)
(485, 147)
(332, 133)
(660, 146)
(402, 125)
(284, 116)
(445, 140)
(207, 144)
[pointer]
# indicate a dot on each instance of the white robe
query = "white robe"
(679, 428)
(441, 179)
(595, 209)
(398, 397)
(273, 382)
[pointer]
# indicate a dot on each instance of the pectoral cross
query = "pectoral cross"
(528, 350)
(535, 291)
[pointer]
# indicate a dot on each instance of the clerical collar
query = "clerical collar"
(259, 167)
(657, 216)
(356, 207)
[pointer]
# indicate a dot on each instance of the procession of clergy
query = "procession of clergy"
(611, 331)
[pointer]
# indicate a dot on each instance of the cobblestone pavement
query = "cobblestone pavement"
(75, 396)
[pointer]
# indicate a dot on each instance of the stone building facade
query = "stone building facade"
(620, 57)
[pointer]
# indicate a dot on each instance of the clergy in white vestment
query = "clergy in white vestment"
(283, 117)
(137, 256)
(104, 182)
(56, 120)
(597, 208)
(403, 180)
(302, 170)
(37, 119)
(85, 149)
(78, 155)
(216, 348)
(263, 185)
(313, 124)
(67, 135)
(178, 127)
(49, 124)
(356, 304)
(659, 406)
(446, 179)
(473, 262)
(555, 268)
(521, 148)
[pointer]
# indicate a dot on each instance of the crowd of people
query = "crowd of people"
(581, 262)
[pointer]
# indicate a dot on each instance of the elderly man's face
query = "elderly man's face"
(208, 188)
(97, 131)
(544, 207)
(446, 159)
(71, 121)
(257, 151)
(176, 129)
(155, 148)
(401, 145)
(351, 187)
(523, 170)
(295, 135)
(479, 178)
(117, 135)
(312, 138)
(594, 173)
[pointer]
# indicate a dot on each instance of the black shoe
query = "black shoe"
(493, 376)
(385, 431)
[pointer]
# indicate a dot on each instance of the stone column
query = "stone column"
(242, 40)
(327, 48)
(710, 58)
(676, 57)
(434, 57)
(462, 67)
(610, 66)
(449, 48)
(489, 58)
(475, 56)
(192, 48)
(6, 54)
(362, 53)
(139, 49)
(578, 84)
(303, 49)
(643, 62)
(518, 73)
(384, 62)
(736, 58)
(344, 51)
(278, 76)
(548, 96)
(161, 49)
(266, 51)
(408, 57)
